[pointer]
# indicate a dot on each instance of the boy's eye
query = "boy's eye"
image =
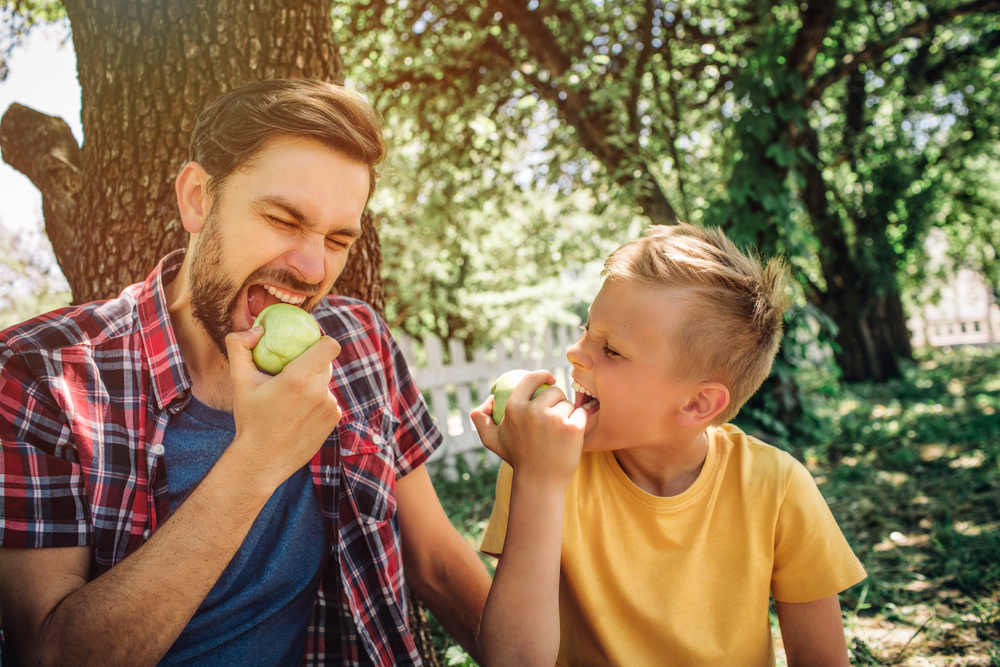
(336, 244)
(608, 350)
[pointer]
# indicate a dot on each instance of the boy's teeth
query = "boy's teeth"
(578, 388)
(282, 295)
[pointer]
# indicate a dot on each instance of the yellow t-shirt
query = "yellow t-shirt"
(686, 580)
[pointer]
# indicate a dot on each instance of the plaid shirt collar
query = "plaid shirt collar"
(168, 373)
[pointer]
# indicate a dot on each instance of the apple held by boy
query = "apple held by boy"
(503, 386)
(288, 332)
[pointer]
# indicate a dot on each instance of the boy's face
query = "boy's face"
(280, 230)
(624, 359)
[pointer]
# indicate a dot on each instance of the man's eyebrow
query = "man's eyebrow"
(294, 211)
(282, 203)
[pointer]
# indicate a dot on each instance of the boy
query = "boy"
(660, 543)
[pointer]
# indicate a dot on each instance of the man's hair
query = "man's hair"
(231, 130)
(737, 331)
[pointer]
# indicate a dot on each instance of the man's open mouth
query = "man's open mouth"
(582, 398)
(262, 295)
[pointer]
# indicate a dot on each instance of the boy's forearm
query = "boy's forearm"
(521, 620)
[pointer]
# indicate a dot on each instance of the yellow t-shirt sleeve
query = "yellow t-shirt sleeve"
(496, 529)
(812, 559)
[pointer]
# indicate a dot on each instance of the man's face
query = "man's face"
(279, 229)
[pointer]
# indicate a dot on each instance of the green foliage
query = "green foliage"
(17, 18)
(787, 409)
(32, 280)
(537, 137)
(911, 470)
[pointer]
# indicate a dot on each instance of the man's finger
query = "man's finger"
(238, 348)
(319, 355)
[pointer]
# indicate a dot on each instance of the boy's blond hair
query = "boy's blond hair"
(737, 331)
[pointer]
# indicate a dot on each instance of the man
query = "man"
(163, 501)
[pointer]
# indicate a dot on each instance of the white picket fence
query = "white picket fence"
(460, 380)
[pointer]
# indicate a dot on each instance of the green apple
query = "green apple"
(288, 332)
(503, 386)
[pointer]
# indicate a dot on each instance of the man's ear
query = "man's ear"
(709, 399)
(193, 201)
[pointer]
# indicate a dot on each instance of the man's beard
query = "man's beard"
(213, 297)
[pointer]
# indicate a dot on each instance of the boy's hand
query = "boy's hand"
(541, 437)
(281, 420)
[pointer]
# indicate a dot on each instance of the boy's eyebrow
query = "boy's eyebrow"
(293, 211)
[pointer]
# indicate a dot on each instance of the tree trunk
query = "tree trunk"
(146, 68)
(862, 300)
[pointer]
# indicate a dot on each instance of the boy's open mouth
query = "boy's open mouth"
(582, 398)
(261, 295)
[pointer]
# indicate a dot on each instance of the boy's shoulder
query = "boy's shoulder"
(766, 463)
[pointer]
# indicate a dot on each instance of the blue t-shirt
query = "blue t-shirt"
(258, 610)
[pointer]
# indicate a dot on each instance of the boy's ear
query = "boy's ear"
(706, 403)
(193, 201)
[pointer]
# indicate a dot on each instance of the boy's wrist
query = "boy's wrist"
(540, 481)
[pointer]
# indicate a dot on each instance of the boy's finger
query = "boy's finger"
(482, 419)
(486, 406)
(550, 397)
(578, 418)
(529, 383)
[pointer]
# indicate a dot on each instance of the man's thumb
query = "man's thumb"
(238, 347)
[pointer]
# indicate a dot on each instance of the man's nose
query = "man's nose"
(308, 258)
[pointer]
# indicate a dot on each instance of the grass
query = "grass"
(912, 473)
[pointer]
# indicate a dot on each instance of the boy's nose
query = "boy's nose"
(576, 356)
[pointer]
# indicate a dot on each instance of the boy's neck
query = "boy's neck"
(665, 471)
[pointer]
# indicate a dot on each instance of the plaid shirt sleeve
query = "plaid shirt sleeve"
(42, 496)
(417, 435)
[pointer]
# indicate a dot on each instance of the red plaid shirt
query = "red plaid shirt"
(86, 394)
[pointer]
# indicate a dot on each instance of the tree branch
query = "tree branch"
(640, 67)
(876, 53)
(816, 20)
(43, 148)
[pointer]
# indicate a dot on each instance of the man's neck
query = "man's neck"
(207, 366)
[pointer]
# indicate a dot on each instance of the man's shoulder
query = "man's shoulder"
(347, 318)
(91, 325)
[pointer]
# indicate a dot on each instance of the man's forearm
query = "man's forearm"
(134, 612)
(456, 592)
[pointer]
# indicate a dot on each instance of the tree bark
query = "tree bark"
(865, 303)
(146, 68)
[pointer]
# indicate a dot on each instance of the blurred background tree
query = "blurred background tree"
(529, 138)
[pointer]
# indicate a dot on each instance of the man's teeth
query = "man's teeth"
(287, 297)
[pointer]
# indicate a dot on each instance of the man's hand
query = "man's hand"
(541, 438)
(281, 420)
